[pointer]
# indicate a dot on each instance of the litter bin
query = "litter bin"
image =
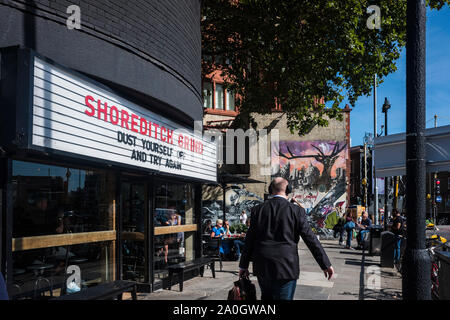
(387, 249)
(444, 274)
(375, 240)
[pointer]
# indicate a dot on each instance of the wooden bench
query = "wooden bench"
(180, 268)
(104, 291)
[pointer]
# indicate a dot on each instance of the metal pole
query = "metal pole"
(365, 176)
(416, 261)
(224, 191)
(435, 120)
(374, 179)
(395, 192)
(386, 179)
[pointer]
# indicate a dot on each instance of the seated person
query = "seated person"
(226, 245)
(364, 226)
(239, 245)
(207, 229)
(227, 228)
(218, 232)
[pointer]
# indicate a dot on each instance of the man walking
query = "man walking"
(271, 243)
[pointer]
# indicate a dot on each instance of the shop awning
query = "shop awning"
(390, 152)
(227, 178)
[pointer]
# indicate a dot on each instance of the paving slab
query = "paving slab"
(358, 277)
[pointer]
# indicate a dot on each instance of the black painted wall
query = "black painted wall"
(148, 49)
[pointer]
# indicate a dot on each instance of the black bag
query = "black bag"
(243, 289)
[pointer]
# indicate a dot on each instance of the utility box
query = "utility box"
(375, 240)
(444, 274)
(387, 249)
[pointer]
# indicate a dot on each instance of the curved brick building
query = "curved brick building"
(151, 49)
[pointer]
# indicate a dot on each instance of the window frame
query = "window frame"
(214, 109)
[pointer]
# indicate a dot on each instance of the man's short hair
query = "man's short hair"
(219, 221)
(278, 185)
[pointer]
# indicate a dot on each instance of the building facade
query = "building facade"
(317, 165)
(101, 169)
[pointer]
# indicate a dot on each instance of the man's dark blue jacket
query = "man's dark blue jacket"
(3, 290)
(271, 241)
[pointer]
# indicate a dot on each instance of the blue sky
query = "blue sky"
(394, 86)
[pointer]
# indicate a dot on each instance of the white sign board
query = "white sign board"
(73, 115)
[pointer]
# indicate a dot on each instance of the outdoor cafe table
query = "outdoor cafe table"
(227, 242)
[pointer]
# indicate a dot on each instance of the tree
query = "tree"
(296, 52)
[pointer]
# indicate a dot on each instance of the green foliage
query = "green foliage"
(295, 51)
(239, 228)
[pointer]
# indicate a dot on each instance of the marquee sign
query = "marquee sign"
(74, 115)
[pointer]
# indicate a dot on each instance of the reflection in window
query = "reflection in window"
(133, 234)
(51, 200)
(170, 249)
(231, 101)
(219, 96)
(174, 206)
(48, 265)
(207, 95)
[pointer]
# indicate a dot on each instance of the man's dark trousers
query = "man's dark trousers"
(272, 289)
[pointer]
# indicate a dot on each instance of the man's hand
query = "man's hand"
(243, 273)
(329, 272)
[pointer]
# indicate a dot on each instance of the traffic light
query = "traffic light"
(438, 187)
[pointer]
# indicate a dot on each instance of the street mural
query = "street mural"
(238, 198)
(316, 171)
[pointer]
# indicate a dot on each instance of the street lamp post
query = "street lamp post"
(416, 261)
(386, 107)
(375, 134)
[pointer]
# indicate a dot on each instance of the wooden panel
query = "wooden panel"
(30, 243)
(175, 229)
(133, 236)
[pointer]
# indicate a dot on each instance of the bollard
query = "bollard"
(387, 249)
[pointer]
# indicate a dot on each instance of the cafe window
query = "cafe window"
(175, 225)
(207, 95)
(62, 216)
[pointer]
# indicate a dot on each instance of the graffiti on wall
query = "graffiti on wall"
(237, 199)
(316, 171)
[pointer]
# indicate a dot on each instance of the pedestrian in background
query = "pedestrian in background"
(349, 226)
(364, 228)
(243, 217)
(271, 243)
(397, 230)
(339, 230)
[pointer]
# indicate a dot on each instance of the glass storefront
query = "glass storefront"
(175, 225)
(65, 216)
(61, 217)
(134, 241)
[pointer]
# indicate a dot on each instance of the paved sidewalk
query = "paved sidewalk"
(358, 277)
